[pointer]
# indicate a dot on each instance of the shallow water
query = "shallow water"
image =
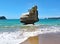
(12, 31)
(18, 35)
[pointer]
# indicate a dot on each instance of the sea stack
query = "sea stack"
(2, 17)
(31, 17)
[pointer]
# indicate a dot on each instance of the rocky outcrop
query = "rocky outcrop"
(54, 18)
(31, 17)
(2, 17)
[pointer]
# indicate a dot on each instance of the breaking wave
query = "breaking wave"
(18, 35)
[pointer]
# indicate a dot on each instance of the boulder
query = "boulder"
(2, 17)
(31, 17)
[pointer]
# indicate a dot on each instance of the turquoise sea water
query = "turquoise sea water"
(16, 22)
(13, 24)
(12, 33)
(49, 22)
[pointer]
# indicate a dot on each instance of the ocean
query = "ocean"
(16, 22)
(12, 31)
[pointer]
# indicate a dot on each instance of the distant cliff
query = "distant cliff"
(54, 18)
(2, 17)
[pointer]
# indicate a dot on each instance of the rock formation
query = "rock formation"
(31, 17)
(2, 17)
(54, 18)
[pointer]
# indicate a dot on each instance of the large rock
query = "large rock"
(2, 17)
(31, 17)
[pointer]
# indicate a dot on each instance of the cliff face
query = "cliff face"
(31, 17)
(2, 17)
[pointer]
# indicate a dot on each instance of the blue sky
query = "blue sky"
(13, 9)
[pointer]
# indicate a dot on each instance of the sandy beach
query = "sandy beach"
(47, 38)
(31, 40)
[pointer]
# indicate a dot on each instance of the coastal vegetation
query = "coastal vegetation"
(2, 17)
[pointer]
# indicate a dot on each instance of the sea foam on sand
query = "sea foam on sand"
(43, 35)
(15, 37)
(46, 38)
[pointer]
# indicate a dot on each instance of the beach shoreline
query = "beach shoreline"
(31, 40)
(46, 38)
(31, 34)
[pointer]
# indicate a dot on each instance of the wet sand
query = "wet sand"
(48, 38)
(31, 40)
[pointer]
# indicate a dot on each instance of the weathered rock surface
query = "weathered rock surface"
(2, 17)
(31, 17)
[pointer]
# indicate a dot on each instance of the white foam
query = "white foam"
(15, 37)
(11, 38)
(20, 36)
